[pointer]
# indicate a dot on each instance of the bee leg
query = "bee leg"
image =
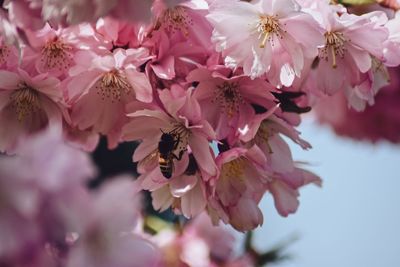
(177, 141)
(179, 157)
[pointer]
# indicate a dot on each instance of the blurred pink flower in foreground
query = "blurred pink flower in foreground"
(199, 244)
(49, 218)
(44, 174)
(105, 230)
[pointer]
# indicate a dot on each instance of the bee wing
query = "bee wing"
(149, 162)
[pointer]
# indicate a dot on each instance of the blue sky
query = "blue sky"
(354, 220)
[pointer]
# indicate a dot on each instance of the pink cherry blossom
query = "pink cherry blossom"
(283, 176)
(174, 59)
(101, 86)
(55, 50)
(348, 48)
(28, 104)
(284, 188)
(184, 21)
(182, 117)
(371, 82)
(227, 101)
(275, 37)
(236, 192)
(184, 193)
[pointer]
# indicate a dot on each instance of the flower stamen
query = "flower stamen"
(176, 19)
(379, 67)
(56, 55)
(25, 101)
(263, 135)
(4, 53)
(234, 168)
(267, 27)
(229, 97)
(112, 85)
(335, 43)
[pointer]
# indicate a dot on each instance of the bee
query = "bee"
(168, 144)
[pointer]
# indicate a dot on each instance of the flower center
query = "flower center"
(263, 135)
(234, 168)
(56, 55)
(4, 52)
(379, 67)
(229, 97)
(25, 101)
(267, 27)
(334, 45)
(112, 85)
(176, 19)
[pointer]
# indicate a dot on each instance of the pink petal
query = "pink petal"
(246, 215)
(182, 184)
(140, 84)
(9, 80)
(285, 198)
(145, 149)
(81, 84)
(202, 152)
(162, 199)
(4, 98)
(361, 57)
(193, 202)
(158, 114)
(153, 180)
(165, 69)
(284, 8)
(141, 128)
(281, 156)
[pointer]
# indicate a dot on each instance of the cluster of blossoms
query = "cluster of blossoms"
(208, 88)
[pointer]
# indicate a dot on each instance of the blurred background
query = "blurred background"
(354, 219)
